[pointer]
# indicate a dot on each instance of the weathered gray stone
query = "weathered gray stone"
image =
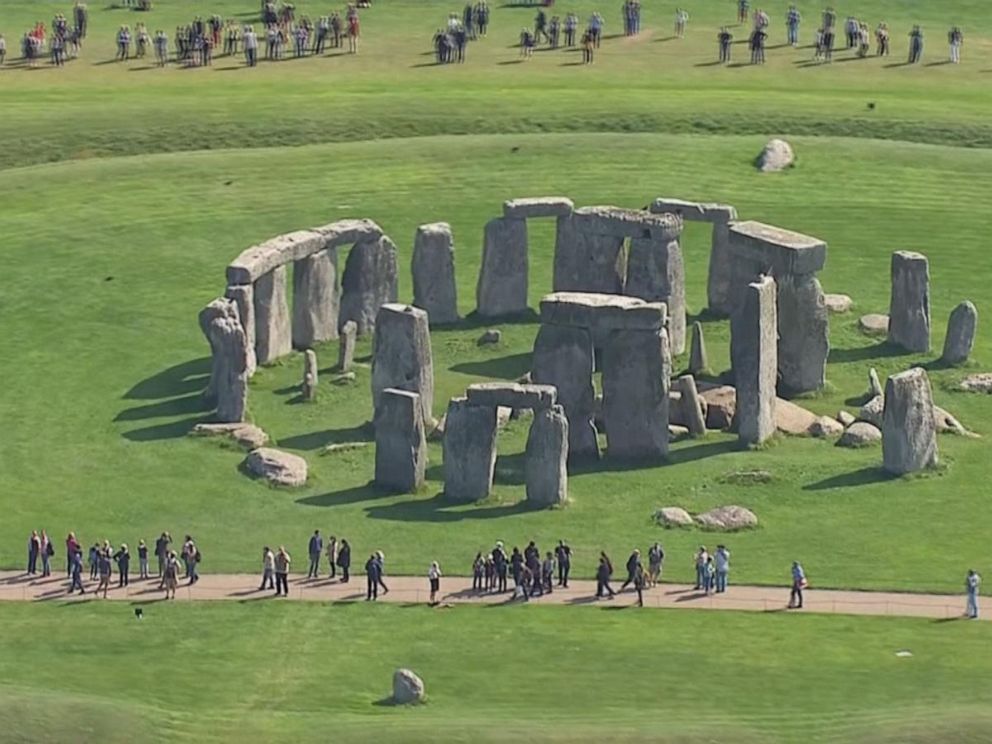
(946, 423)
(545, 469)
(874, 324)
(273, 330)
(243, 296)
(343, 378)
(721, 406)
(844, 418)
(874, 385)
(873, 410)
(400, 444)
(502, 285)
(349, 232)
(676, 415)
(215, 309)
(692, 406)
(511, 395)
(228, 386)
(316, 300)
(776, 155)
(960, 338)
(255, 262)
(673, 516)
(636, 372)
(434, 273)
(541, 206)
(677, 433)
(277, 467)
(586, 261)
(563, 357)
(793, 419)
(775, 250)
(860, 434)
(401, 355)
(407, 687)
(491, 336)
(755, 362)
(909, 434)
(727, 519)
(309, 387)
(694, 211)
(909, 306)
(626, 223)
(469, 450)
(346, 346)
(720, 276)
(838, 303)
(602, 313)
(825, 427)
(803, 333)
(698, 359)
(656, 273)
(368, 282)
(247, 435)
(977, 383)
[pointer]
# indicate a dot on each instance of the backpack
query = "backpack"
(50, 550)
(196, 556)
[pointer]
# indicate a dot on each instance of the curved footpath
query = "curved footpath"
(16, 586)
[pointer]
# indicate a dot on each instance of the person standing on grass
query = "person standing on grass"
(722, 568)
(681, 19)
(434, 576)
(268, 569)
(170, 575)
(882, 40)
(3, 49)
(603, 573)
(142, 560)
(314, 549)
(76, 571)
(93, 559)
(563, 554)
(915, 45)
(798, 584)
(955, 38)
(71, 546)
(282, 562)
(972, 584)
(47, 551)
(571, 23)
(371, 578)
(353, 30)
(332, 554)
(344, 561)
(743, 8)
(725, 39)
(792, 20)
(656, 556)
(103, 562)
(123, 560)
(250, 40)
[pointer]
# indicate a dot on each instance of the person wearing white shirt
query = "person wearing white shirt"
(722, 560)
(434, 575)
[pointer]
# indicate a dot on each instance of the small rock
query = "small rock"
(677, 433)
(407, 687)
(247, 435)
(491, 336)
(838, 303)
(727, 518)
(874, 324)
(777, 155)
(874, 384)
(277, 467)
(346, 378)
(872, 411)
(721, 402)
(980, 383)
(860, 434)
(825, 427)
(503, 416)
(673, 516)
(947, 424)
(344, 447)
(845, 418)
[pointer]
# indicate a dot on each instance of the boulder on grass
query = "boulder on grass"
(845, 418)
(407, 687)
(980, 383)
(247, 435)
(860, 434)
(777, 155)
(825, 427)
(673, 516)
(838, 303)
(727, 519)
(874, 324)
(277, 467)
(872, 411)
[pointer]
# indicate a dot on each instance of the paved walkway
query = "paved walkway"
(16, 586)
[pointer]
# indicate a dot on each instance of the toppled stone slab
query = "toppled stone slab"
(860, 434)
(845, 419)
(909, 433)
(874, 384)
(960, 338)
(777, 251)
(909, 306)
(602, 312)
(727, 519)
(677, 433)
(277, 467)
(838, 303)
(407, 687)
(541, 206)
(825, 427)
(946, 423)
(694, 211)
(874, 324)
(673, 516)
(978, 383)
(248, 436)
(511, 395)
(626, 223)
(792, 419)
(777, 155)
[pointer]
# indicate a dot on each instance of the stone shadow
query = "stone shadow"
(503, 368)
(345, 496)
(440, 509)
(862, 477)
(317, 439)
(177, 391)
(180, 379)
(863, 353)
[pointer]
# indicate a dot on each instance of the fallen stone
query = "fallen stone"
(401, 355)
(909, 307)
(960, 338)
(860, 434)
(747, 477)
(793, 419)
(344, 447)
(673, 516)
(491, 336)
(874, 324)
(345, 378)
(677, 433)
(978, 383)
(909, 435)
(874, 384)
(346, 346)
(721, 406)
(248, 436)
(545, 470)
(542, 206)
(511, 395)
(872, 411)
(502, 285)
(309, 387)
(698, 359)
(277, 467)
(838, 303)
(777, 155)
(825, 427)
(727, 519)
(434, 273)
(369, 282)
(400, 444)
(407, 687)
(469, 450)
(845, 418)
(947, 424)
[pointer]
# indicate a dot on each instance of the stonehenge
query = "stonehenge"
(469, 450)
(309, 387)
(545, 469)
(401, 356)
(960, 338)
(502, 286)
(400, 443)
(909, 305)
(698, 360)
(369, 281)
(273, 329)
(755, 362)
(433, 270)
(909, 429)
(316, 300)
(228, 386)
(346, 347)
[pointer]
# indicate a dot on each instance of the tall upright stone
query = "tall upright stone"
(469, 450)
(909, 306)
(346, 346)
(316, 299)
(756, 361)
(401, 355)
(656, 273)
(563, 357)
(400, 443)
(587, 261)
(228, 387)
(243, 296)
(369, 282)
(545, 470)
(309, 387)
(695, 419)
(502, 285)
(699, 362)
(960, 338)
(273, 331)
(434, 273)
(909, 430)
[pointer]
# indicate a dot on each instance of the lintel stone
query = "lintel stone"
(602, 311)
(694, 211)
(776, 251)
(541, 206)
(512, 395)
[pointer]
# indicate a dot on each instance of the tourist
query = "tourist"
(142, 560)
(268, 569)
(639, 581)
(882, 39)
(93, 560)
(516, 565)
(571, 23)
(170, 575)
(596, 29)
(709, 576)
(282, 563)
(588, 47)
(829, 19)
(71, 546)
(372, 578)
(332, 554)
(526, 582)
(478, 569)
(3, 49)
(915, 45)
(603, 573)
(191, 555)
(632, 563)
(314, 549)
(47, 550)
(489, 568)
(380, 559)
(700, 562)
(103, 561)
(563, 554)
(681, 19)
(482, 17)
(725, 39)
(827, 51)
(123, 43)
(851, 31)
(656, 558)
(864, 40)
(251, 46)
(186, 554)
(955, 38)
(743, 8)
(758, 46)
(722, 568)
(540, 26)
(972, 584)
(123, 560)
(344, 561)
(80, 18)
(798, 584)
(161, 48)
(76, 571)
(34, 549)
(500, 563)
(434, 576)
(547, 572)
(353, 30)
(162, 550)
(792, 20)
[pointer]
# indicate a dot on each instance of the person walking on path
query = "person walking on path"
(640, 579)
(268, 569)
(516, 566)
(332, 554)
(656, 557)
(381, 560)
(76, 571)
(434, 576)
(314, 550)
(722, 568)
(344, 561)
(34, 550)
(71, 547)
(632, 563)
(192, 561)
(798, 584)
(547, 572)
(603, 573)
(701, 556)
(142, 560)
(563, 554)
(123, 560)
(372, 578)
(103, 562)
(524, 587)
(709, 576)
(282, 562)
(162, 549)
(972, 584)
(170, 575)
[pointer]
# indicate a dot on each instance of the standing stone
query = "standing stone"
(434, 273)
(698, 361)
(656, 273)
(545, 469)
(309, 375)
(909, 306)
(587, 261)
(346, 346)
(400, 444)
(803, 332)
(229, 364)
(316, 301)
(502, 286)
(720, 276)
(636, 372)
(563, 357)
(273, 332)
(909, 431)
(692, 408)
(469, 450)
(401, 355)
(960, 338)
(874, 384)
(243, 296)
(756, 362)
(368, 282)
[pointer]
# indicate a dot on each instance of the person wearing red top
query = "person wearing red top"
(71, 546)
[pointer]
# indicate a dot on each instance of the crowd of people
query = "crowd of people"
(63, 43)
(451, 41)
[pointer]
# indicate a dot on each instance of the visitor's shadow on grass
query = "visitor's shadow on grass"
(897, 64)
(665, 38)
(714, 63)
(861, 353)
(428, 64)
(317, 439)
(862, 477)
(505, 368)
(510, 62)
(941, 63)
(571, 64)
(440, 509)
